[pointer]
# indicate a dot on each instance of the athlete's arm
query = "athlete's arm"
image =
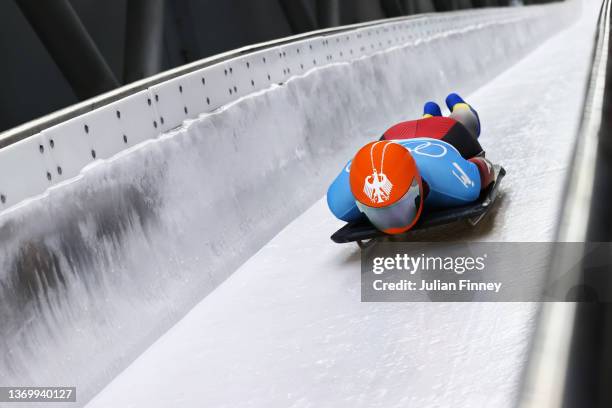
(340, 198)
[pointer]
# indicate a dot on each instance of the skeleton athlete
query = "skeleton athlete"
(434, 161)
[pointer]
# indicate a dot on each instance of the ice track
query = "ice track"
(184, 227)
(288, 330)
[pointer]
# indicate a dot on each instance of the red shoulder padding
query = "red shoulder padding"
(485, 168)
(403, 130)
(435, 127)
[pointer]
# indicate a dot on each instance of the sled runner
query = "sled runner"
(365, 234)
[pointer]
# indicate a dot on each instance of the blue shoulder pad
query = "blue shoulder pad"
(452, 180)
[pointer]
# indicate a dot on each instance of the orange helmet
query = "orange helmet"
(387, 186)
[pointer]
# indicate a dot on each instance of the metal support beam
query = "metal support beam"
(492, 3)
(328, 13)
(393, 8)
(301, 17)
(443, 5)
(464, 4)
(358, 11)
(449, 5)
(418, 6)
(143, 39)
(180, 13)
(69, 44)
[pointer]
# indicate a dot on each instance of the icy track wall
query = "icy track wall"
(136, 211)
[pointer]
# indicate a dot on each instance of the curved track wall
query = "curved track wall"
(116, 222)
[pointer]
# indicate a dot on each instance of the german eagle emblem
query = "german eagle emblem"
(377, 187)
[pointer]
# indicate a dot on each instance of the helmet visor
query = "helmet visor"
(400, 216)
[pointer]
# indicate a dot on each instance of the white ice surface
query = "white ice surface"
(288, 328)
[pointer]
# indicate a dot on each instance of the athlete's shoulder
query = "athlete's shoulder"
(434, 127)
(451, 179)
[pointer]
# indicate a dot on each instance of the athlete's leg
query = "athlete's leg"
(463, 140)
(463, 113)
(431, 109)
